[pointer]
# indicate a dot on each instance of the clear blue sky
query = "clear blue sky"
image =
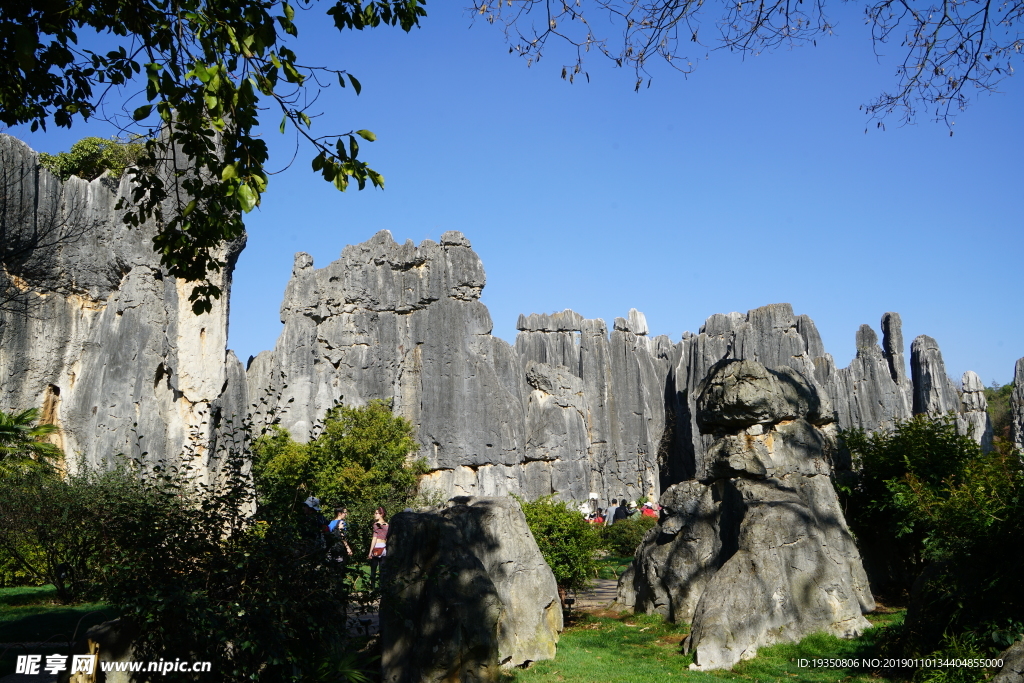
(750, 182)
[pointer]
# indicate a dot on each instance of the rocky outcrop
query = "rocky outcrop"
(1017, 406)
(871, 393)
(95, 332)
(973, 417)
(570, 409)
(934, 393)
(1013, 664)
(757, 551)
(620, 404)
(467, 593)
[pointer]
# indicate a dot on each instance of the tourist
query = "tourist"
(314, 529)
(609, 518)
(621, 512)
(339, 530)
(633, 511)
(378, 542)
(649, 510)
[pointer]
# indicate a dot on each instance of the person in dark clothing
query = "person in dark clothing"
(621, 512)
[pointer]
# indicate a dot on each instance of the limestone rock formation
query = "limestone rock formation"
(621, 403)
(570, 409)
(934, 394)
(974, 419)
(758, 551)
(469, 592)
(1013, 664)
(1017, 406)
(95, 333)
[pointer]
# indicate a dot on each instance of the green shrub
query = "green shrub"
(90, 157)
(566, 540)
(930, 498)
(623, 537)
(360, 459)
(998, 398)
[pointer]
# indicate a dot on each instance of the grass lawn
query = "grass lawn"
(608, 648)
(32, 614)
(610, 567)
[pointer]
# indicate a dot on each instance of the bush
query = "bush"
(201, 579)
(566, 540)
(929, 494)
(360, 460)
(54, 530)
(622, 538)
(90, 157)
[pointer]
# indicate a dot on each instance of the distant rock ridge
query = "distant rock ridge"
(94, 331)
(570, 408)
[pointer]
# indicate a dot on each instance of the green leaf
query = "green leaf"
(289, 13)
(366, 135)
(229, 172)
(246, 198)
(284, 120)
(190, 208)
(142, 112)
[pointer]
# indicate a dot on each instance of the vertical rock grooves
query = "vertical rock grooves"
(93, 331)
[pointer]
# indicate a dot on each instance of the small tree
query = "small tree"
(23, 445)
(91, 157)
(360, 459)
(566, 540)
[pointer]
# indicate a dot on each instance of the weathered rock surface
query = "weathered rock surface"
(758, 551)
(934, 394)
(974, 419)
(1017, 406)
(570, 409)
(1013, 664)
(469, 592)
(94, 332)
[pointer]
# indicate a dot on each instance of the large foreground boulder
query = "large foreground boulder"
(757, 552)
(466, 591)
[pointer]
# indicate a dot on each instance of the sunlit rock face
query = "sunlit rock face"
(1017, 406)
(566, 411)
(94, 332)
(756, 551)
(467, 592)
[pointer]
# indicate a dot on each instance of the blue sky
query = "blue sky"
(750, 182)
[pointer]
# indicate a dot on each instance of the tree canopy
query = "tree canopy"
(950, 49)
(205, 72)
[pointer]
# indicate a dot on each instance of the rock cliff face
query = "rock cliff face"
(92, 329)
(567, 411)
(572, 407)
(1017, 406)
(757, 551)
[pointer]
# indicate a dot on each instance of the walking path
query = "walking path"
(601, 596)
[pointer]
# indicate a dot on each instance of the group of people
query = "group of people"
(618, 510)
(333, 535)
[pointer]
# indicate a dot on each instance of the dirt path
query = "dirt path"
(599, 597)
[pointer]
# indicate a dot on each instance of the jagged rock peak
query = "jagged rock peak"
(636, 323)
(974, 417)
(1017, 406)
(563, 321)
(934, 394)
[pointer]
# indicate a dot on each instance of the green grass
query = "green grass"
(31, 614)
(647, 649)
(612, 567)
